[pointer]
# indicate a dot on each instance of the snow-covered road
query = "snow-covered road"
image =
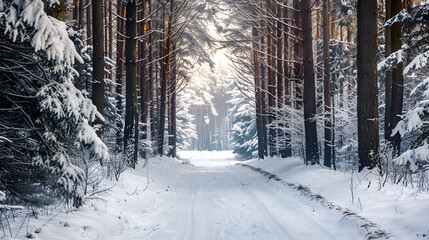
(216, 200)
(210, 198)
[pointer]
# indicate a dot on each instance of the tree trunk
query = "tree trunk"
(311, 146)
(131, 83)
(144, 92)
(119, 69)
(164, 80)
(388, 79)
(327, 86)
(287, 92)
(280, 79)
(264, 85)
(106, 28)
(173, 136)
(264, 90)
(76, 15)
(298, 74)
(151, 80)
(88, 22)
(98, 62)
(81, 4)
(397, 77)
(258, 96)
(110, 36)
(367, 90)
(271, 82)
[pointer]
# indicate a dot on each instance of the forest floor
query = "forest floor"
(210, 197)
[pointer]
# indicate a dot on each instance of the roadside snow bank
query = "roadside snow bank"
(404, 211)
(124, 212)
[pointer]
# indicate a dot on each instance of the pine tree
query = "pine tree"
(54, 114)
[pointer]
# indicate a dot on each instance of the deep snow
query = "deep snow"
(212, 198)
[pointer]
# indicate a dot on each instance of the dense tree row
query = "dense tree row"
(134, 58)
(334, 64)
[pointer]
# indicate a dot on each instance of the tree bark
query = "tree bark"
(76, 15)
(258, 92)
(173, 136)
(98, 62)
(151, 80)
(131, 83)
(271, 81)
(80, 16)
(397, 77)
(164, 80)
(367, 89)
(287, 91)
(280, 79)
(298, 73)
(264, 86)
(327, 86)
(388, 79)
(88, 22)
(110, 35)
(311, 146)
(119, 69)
(144, 93)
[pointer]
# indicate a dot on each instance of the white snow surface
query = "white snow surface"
(211, 198)
(396, 209)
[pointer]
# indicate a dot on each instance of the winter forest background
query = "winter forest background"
(91, 88)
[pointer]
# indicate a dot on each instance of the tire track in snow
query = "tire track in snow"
(279, 230)
(190, 224)
(288, 206)
(294, 208)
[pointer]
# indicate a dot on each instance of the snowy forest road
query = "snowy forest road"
(216, 200)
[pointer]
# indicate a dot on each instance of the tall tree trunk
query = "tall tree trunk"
(388, 79)
(172, 138)
(88, 22)
(164, 80)
(80, 26)
(298, 73)
(367, 90)
(76, 15)
(106, 30)
(151, 79)
(110, 35)
(311, 146)
(264, 86)
(264, 89)
(119, 68)
(327, 86)
(280, 79)
(144, 93)
(287, 91)
(271, 81)
(258, 95)
(397, 77)
(163, 87)
(131, 83)
(98, 62)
